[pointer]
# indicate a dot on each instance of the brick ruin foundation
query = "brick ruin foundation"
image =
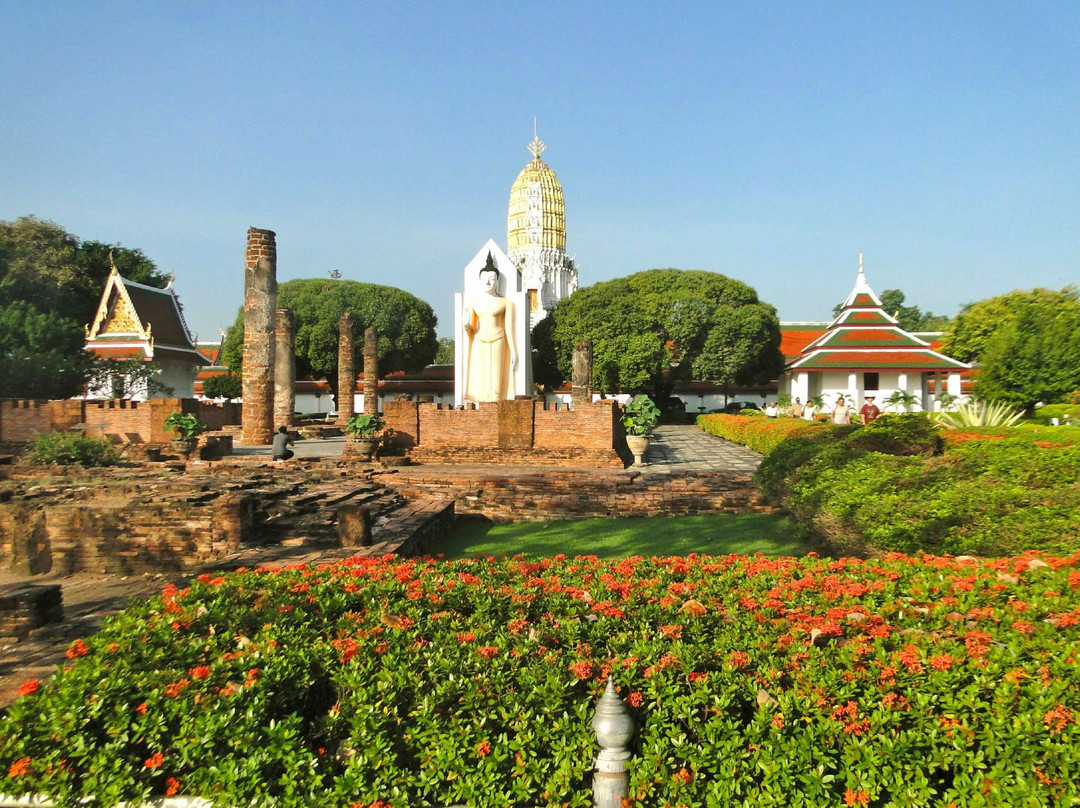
(152, 518)
(525, 431)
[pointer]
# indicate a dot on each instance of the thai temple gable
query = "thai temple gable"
(536, 236)
(135, 321)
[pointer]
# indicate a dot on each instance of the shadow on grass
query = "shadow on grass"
(744, 534)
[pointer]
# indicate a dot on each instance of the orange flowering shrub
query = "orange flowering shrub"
(753, 681)
(758, 433)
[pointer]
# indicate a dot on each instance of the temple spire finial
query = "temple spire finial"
(860, 264)
(536, 148)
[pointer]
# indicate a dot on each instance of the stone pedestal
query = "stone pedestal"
(284, 368)
(581, 380)
(346, 368)
(371, 371)
(260, 299)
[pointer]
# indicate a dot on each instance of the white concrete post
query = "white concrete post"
(614, 728)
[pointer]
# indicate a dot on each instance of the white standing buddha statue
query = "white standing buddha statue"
(492, 347)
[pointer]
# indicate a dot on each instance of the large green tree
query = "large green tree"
(1033, 353)
(967, 335)
(654, 329)
(406, 326)
(50, 285)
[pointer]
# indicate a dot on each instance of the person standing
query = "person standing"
(841, 413)
(771, 410)
(797, 409)
(869, 410)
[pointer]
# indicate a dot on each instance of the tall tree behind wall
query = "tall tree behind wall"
(654, 329)
(406, 326)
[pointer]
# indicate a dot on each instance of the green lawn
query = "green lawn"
(744, 534)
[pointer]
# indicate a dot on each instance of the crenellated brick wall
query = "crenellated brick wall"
(120, 420)
(21, 421)
(521, 431)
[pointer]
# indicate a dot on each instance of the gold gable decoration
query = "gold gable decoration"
(116, 313)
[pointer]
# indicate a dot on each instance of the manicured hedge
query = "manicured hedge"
(758, 432)
(986, 491)
(903, 681)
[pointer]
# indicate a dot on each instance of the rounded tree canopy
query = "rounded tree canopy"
(655, 328)
(406, 325)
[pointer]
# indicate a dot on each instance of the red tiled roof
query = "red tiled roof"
(792, 341)
(919, 359)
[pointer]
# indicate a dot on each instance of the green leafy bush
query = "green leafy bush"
(184, 424)
(71, 449)
(364, 426)
(1065, 413)
(990, 492)
(910, 434)
(225, 385)
(641, 417)
(908, 680)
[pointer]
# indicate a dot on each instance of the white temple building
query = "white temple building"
(864, 352)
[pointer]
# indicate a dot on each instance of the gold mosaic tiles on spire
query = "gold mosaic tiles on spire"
(537, 217)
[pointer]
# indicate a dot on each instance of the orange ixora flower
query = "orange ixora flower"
(154, 761)
(856, 797)
(77, 649)
(28, 687)
(19, 767)
(172, 785)
(483, 749)
(1057, 718)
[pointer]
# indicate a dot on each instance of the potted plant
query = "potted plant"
(363, 433)
(187, 428)
(639, 421)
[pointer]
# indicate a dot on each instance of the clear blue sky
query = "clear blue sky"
(768, 141)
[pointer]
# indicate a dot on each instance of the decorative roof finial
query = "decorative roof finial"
(112, 265)
(860, 264)
(537, 146)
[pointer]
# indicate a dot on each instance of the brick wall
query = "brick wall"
(120, 420)
(554, 494)
(519, 431)
(21, 421)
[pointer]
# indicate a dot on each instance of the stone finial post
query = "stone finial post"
(346, 368)
(614, 728)
(371, 371)
(581, 379)
(260, 300)
(284, 367)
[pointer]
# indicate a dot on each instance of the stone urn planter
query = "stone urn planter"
(639, 445)
(184, 446)
(639, 420)
(365, 446)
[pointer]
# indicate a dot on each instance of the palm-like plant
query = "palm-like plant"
(980, 413)
(901, 400)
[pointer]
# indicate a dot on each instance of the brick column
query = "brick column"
(346, 367)
(371, 370)
(260, 299)
(581, 381)
(284, 367)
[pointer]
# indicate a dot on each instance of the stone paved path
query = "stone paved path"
(687, 448)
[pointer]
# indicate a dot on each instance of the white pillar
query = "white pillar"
(954, 384)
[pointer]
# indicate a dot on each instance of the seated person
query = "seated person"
(282, 440)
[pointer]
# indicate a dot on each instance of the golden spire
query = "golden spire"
(537, 146)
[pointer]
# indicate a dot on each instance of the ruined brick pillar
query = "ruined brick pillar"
(346, 368)
(260, 300)
(581, 380)
(371, 370)
(284, 367)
